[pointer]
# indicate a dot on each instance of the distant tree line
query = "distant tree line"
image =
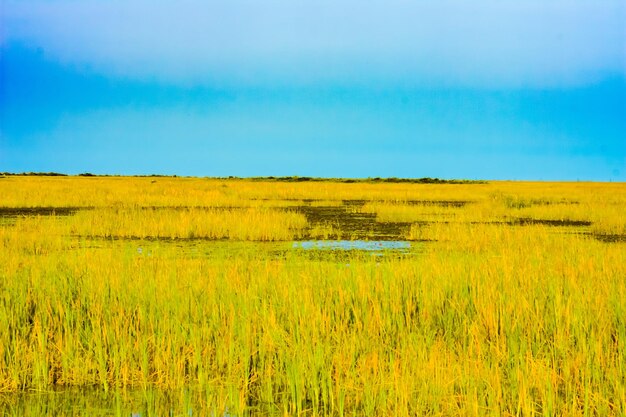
(425, 180)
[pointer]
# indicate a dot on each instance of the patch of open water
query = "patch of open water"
(363, 245)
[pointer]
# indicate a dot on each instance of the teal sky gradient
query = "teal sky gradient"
(493, 90)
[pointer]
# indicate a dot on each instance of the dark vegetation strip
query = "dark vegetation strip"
(543, 202)
(610, 238)
(362, 202)
(33, 174)
(527, 221)
(439, 203)
(40, 211)
(425, 180)
(70, 210)
(153, 238)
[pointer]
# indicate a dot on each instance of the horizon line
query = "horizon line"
(296, 178)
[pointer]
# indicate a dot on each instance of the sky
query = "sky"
(482, 89)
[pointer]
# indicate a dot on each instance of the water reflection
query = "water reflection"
(361, 245)
(94, 402)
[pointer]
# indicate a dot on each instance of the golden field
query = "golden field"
(178, 295)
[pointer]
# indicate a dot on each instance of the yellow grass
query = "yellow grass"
(486, 318)
(262, 224)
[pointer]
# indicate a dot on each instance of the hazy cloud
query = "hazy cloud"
(478, 43)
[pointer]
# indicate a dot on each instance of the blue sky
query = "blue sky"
(449, 89)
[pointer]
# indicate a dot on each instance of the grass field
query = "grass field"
(165, 296)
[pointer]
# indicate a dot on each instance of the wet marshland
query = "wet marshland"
(340, 220)
(343, 232)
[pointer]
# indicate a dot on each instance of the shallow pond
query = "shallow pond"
(361, 245)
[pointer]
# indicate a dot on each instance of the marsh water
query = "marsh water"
(123, 403)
